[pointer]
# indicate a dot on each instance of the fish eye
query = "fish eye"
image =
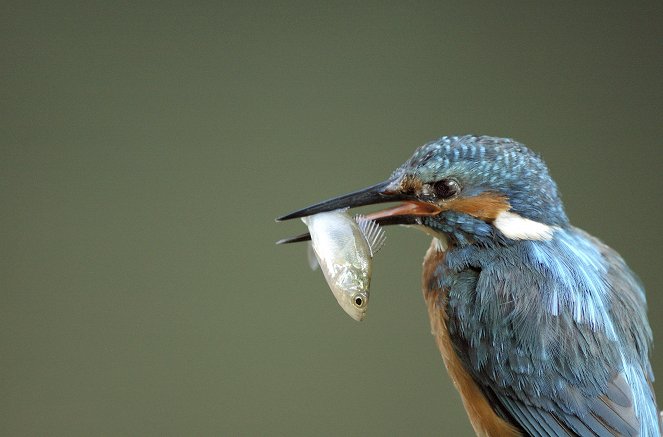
(446, 188)
(359, 300)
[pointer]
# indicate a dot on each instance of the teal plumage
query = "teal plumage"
(560, 347)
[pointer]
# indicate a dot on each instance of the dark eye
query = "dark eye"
(359, 300)
(446, 188)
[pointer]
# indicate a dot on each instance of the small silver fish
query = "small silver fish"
(344, 248)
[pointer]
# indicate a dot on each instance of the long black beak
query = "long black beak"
(379, 193)
(407, 214)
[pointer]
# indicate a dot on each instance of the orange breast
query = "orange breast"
(484, 420)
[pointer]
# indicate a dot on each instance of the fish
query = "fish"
(344, 247)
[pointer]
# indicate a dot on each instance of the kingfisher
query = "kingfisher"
(542, 327)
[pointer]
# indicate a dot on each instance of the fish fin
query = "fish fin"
(312, 259)
(373, 233)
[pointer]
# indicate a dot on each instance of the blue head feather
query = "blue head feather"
(501, 165)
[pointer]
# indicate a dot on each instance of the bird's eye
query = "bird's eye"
(446, 188)
(359, 300)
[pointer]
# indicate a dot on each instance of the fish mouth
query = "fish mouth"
(409, 212)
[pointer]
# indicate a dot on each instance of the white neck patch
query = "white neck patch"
(516, 227)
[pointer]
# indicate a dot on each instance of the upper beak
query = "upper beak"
(388, 191)
(379, 193)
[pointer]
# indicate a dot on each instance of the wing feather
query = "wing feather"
(568, 371)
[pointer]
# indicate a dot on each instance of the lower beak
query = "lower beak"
(408, 213)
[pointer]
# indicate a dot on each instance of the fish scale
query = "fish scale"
(344, 248)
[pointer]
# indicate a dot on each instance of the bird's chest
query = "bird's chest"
(449, 296)
(484, 292)
(492, 309)
(503, 311)
(438, 280)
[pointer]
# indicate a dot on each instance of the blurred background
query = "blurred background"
(146, 150)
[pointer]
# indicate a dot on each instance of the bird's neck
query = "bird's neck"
(463, 230)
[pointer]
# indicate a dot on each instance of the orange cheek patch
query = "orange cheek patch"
(485, 206)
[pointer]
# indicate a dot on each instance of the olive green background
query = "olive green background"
(147, 148)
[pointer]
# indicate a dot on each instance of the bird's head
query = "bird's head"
(467, 189)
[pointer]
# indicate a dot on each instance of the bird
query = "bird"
(542, 327)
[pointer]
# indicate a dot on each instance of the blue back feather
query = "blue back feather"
(555, 319)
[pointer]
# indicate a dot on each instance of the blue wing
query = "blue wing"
(555, 334)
